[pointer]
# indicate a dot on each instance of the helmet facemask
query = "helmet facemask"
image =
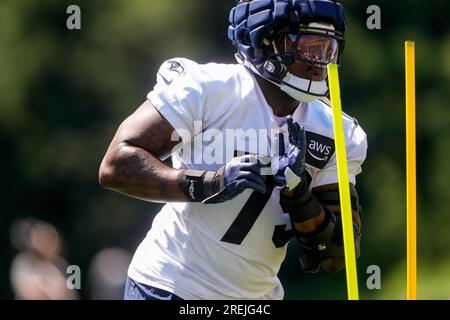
(300, 57)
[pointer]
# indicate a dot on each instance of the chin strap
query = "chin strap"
(255, 70)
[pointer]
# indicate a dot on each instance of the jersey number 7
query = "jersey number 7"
(247, 218)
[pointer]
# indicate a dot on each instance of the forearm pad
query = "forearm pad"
(199, 185)
(326, 241)
(302, 206)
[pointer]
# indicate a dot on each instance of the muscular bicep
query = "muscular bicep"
(147, 129)
(132, 165)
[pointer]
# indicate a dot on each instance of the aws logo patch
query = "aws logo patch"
(319, 150)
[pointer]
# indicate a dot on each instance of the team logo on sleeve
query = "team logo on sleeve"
(176, 67)
(319, 151)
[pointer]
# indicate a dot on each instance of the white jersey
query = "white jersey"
(231, 250)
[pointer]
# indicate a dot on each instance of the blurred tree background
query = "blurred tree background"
(63, 94)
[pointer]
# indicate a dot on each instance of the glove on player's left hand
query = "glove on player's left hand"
(289, 167)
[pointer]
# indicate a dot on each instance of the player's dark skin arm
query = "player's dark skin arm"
(336, 264)
(133, 163)
(311, 225)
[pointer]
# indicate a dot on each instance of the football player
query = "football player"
(224, 229)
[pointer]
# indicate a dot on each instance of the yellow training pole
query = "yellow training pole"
(344, 187)
(411, 227)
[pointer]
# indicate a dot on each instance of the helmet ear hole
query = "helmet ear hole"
(246, 39)
(243, 34)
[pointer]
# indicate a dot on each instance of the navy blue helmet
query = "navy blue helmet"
(272, 36)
